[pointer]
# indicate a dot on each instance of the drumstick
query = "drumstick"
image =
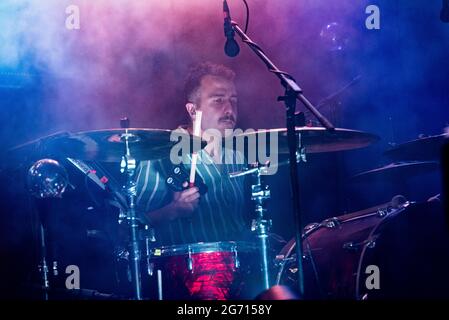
(196, 132)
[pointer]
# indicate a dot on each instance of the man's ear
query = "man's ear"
(191, 110)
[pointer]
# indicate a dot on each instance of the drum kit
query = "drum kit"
(335, 251)
(326, 260)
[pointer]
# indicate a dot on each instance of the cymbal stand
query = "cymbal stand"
(40, 230)
(43, 265)
(128, 166)
(260, 193)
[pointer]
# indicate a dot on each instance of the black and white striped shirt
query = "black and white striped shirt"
(222, 213)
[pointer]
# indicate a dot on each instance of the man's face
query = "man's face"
(217, 100)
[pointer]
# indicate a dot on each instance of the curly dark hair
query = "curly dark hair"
(193, 80)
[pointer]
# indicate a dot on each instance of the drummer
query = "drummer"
(220, 214)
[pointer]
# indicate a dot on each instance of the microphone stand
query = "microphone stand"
(292, 93)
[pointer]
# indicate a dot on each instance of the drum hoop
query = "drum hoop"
(203, 247)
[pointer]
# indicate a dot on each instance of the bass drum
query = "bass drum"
(387, 252)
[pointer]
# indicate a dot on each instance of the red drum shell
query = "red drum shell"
(204, 271)
(408, 244)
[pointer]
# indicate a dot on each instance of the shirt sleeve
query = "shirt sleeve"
(151, 189)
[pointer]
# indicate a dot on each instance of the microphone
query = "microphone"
(444, 14)
(231, 47)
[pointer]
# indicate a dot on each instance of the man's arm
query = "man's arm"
(183, 205)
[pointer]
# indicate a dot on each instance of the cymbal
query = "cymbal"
(399, 170)
(24, 154)
(423, 149)
(109, 145)
(315, 139)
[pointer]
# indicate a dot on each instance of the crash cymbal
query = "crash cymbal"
(314, 139)
(423, 149)
(109, 145)
(26, 153)
(400, 170)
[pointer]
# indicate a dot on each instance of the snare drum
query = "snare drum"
(204, 271)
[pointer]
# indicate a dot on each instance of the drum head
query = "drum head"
(412, 254)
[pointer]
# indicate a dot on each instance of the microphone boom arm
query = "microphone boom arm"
(287, 80)
(292, 93)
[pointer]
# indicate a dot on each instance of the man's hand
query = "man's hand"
(184, 203)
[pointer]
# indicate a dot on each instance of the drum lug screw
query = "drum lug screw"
(190, 261)
(236, 259)
(382, 212)
(371, 244)
(331, 223)
(55, 268)
(150, 267)
(350, 246)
